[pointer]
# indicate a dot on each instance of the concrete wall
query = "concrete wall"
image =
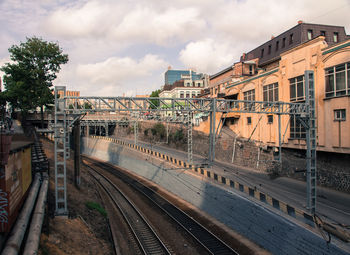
(249, 219)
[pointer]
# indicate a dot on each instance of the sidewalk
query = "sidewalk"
(331, 204)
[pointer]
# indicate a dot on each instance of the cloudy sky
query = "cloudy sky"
(118, 47)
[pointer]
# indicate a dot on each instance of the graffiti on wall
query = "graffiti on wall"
(3, 205)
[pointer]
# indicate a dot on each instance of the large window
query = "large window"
(297, 89)
(270, 92)
(297, 130)
(249, 96)
(338, 80)
(297, 94)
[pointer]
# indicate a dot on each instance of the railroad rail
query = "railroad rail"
(147, 239)
(210, 242)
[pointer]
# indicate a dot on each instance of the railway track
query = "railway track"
(203, 236)
(146, 238)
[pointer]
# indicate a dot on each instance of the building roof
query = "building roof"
(299, 34)
(221, 72)
(291, 38)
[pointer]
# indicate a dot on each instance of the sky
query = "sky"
(124, 47)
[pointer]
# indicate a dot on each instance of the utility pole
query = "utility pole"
(77, 159)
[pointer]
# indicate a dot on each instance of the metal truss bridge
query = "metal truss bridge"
(69, 110)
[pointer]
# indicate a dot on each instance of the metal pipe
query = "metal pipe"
(279, 140)
(33, 239)
(13, 244)
(234, 149)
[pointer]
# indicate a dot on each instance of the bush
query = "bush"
(179, 135)
(97, 207)
(158, 130)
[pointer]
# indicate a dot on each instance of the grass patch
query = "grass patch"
(96, 206)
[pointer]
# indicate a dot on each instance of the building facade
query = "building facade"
(171, 76)
(331, 66)
(280, 77)
(185, 88)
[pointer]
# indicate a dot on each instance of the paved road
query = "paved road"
(332, 205)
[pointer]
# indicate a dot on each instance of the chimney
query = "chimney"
(300, 21)
(243, 56)
(169, 67)
(272, 36)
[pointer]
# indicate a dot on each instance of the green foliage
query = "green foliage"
(87, 105)
(179, 135)
(158, 129)
(96, 206)
(28, 80)
(154, 102)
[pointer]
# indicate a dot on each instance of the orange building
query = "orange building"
(281, 78)
(69, 93)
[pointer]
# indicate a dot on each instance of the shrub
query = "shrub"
(179, 135)
(96, 206)
(159, 130)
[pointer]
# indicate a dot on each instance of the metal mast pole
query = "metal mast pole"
(279, 140)
(167, 132)
(189, 138)
(77, 159)
(60, 153)
(310, 141)
(135, 132)
(212, 132)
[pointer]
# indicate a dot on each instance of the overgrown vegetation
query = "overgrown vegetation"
(96, 206)
(86, 105)
(130, 129)
(158, 130)
(28, 78)
(154, 102)
(178, 136)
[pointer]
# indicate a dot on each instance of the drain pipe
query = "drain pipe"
(13, 244)
(33, 239)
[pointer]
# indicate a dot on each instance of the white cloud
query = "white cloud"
(160, 28)
(115, 74)
(207, 55)
(256, 21)
(120, 21)
(202, 34)
(87, 20)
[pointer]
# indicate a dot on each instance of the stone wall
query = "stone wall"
(332, 169)
(247, 153)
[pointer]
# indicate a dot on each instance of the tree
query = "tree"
(28, 80)
(155, 102)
